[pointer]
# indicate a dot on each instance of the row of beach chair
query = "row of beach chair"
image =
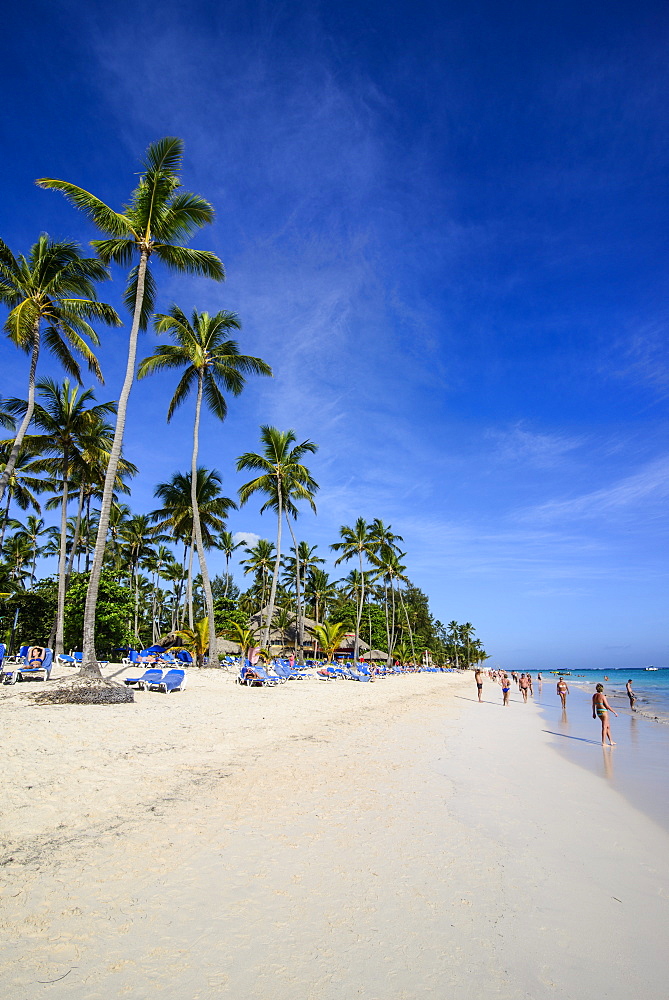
(280, 671)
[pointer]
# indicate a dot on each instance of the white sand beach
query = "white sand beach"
(383, 841)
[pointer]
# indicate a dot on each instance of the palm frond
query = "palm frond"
(101, 215)
(116, 251)
(181, 392)
(165, 155)
(189, 261)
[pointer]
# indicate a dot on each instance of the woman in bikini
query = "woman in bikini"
(506, 687)
(36, 656)
(601, 709)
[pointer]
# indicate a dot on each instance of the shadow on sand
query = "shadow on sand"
(581, 739)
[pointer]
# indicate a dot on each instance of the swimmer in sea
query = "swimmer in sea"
(506, 687)
(630, 694)
(600, 710)
(478, 677)
(563, 691)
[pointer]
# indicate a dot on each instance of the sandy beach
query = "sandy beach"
(384, 841)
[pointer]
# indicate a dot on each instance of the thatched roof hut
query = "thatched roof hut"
(376, 654)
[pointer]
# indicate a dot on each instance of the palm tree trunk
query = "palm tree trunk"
(20, 434)
(298, 593)
(90, 664)
(356, 642)
(393, 630)
(75, 540)
(189, 585)
(5, 519)
(135, 574)
(275, 575)
(60, 614)
(206, 585)
(385, 605)
(406, 615)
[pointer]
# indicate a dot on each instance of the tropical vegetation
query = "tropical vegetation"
(106, 577)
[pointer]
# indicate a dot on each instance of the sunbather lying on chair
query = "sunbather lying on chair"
(36, 656)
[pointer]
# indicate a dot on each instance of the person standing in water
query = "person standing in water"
(478, 677)
(630, 694)
(600, 710)
(563, 691)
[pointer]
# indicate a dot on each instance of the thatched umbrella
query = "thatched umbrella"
(376, 654)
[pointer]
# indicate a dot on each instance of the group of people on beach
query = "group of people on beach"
(600, 705)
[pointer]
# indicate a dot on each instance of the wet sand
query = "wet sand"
(637, 767)
(329, 841)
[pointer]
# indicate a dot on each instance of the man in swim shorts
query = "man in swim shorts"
(630, 694)
(600, 710)
(524, 686)
(478, 677)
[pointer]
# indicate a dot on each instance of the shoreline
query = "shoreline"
(393, 841)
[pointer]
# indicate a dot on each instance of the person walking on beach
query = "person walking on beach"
(630, 694)
(528, 675)
(601, 709)
(478, 677)
(563, 691)
(506, 687)
(524, 685)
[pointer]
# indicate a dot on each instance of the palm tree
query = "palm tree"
(284, 479)
(64, 419)
(246, 637)
(54, 287)
(356, 541)
(329, 636)
(259, 561)
(466, 633)
(196, 640)
(157, 216)
(227, 544)
(454, 636)
(32, 531)
(212, 364)
(320, 589)
(176, 514)
(22, 484)
(296, 567)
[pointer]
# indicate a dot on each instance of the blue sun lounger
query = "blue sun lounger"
(151, 676)
(24, 670)
(172, 680)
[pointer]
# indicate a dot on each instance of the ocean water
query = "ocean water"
(638, 766)
(650, 686)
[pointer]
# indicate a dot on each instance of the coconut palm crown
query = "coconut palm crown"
(51, 296)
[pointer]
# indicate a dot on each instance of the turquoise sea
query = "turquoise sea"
(638, 766)
(651, 687)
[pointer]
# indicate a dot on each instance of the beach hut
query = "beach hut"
(377, 655)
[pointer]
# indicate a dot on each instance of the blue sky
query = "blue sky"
(445, 227)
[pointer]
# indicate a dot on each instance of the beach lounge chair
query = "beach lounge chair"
(131, 658)
(183, 656)
(152, 676)
(283, 669)
(172, 680)
(35, 666)
(255, 675)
